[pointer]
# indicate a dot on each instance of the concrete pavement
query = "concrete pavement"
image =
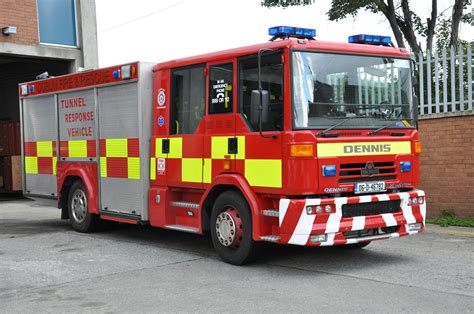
(47, 267)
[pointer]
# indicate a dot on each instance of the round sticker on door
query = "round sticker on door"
(161, 97)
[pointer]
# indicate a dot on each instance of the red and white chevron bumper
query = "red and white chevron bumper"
(300, 225)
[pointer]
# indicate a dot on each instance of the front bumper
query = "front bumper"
(300, 228)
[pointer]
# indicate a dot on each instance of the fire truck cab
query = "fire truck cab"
(294, 141)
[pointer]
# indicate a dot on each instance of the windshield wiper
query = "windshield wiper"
(385, 126)
(325, 131)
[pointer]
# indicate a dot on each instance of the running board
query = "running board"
(185, 204)
(182, 228)
(271, 213)
(270, 238)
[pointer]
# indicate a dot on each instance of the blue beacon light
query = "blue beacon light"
(370, 39)
(290, 31)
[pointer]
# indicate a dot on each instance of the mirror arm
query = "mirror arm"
(260, 106)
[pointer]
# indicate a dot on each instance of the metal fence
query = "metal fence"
(445, 80)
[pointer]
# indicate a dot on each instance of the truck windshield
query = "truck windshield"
(370, 90)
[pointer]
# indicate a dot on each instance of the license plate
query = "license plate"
(369, 187)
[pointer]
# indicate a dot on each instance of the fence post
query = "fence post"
(421, 85)
(428, 80)
(453, 80)
(436, 81)
(461, 79)
(469, 76)
(445, 82)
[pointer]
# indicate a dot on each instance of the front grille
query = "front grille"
(370, 232)
(352, 172)
(367, 209)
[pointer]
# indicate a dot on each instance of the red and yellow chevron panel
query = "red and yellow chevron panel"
(40, 157)
(120, 158)
(78, 148)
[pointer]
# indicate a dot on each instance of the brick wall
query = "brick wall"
(23, 15)
(447, 162)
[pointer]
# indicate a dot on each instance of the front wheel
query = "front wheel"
(231, 229)
(79, 216)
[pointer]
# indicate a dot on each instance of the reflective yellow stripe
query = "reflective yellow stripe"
(158, 147)
(263, 172)
(77, 148)
(133, 166)
(152, 168)
(191, 170)
(31, 165)
(207, 170)
(240, 148)
(176, 147)
(220, 147)
(44, 149)
(103, 167)
(54, 165)
(363, 148)
(116, 147)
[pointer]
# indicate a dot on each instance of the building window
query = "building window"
(188, 91)
(220, 88)
(57, 22)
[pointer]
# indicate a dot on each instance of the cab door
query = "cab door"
(183, 146)
(221, 146)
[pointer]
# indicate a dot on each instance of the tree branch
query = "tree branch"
(456, 19)
(431, 22)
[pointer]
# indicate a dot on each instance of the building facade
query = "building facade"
(38, 36)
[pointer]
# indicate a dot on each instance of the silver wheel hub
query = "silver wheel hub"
(79, 206)
(225, 228)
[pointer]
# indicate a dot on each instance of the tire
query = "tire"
(231, 229)
(79, 216)
(354, 246)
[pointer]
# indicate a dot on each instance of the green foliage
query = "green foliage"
(448, 218)
(341, 9)
(284, 3)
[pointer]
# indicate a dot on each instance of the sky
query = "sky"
(157, 31)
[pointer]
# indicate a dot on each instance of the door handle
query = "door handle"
(232, 147)
(165, 146)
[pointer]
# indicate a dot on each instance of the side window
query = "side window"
(220, 88)
(272, 81)
(188, 91)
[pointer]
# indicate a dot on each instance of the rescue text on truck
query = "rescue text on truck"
(294, 141)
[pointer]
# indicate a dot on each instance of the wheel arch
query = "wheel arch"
(68, 173)
(231, 182)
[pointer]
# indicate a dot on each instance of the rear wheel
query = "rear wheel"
(79, 216)
(231, 229)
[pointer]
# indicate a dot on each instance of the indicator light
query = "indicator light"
(405, 166)
(327, 208)
(126, 72)
(318, 238)
(301, 150)
(417, 147)
(329, 171)
(116, 74)
(319, 209)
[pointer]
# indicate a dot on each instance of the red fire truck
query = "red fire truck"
(294, 141)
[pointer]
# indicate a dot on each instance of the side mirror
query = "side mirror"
(255, 106)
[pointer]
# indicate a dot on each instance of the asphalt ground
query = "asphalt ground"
(47, 267)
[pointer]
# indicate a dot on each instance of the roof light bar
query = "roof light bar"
(370, 39)
(290, 31)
